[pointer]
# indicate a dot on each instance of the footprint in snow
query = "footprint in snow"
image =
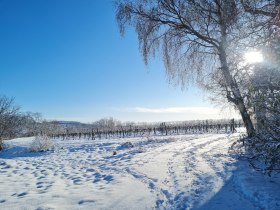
(77, 181)
(108, 178)
(41, 177)
(96, 180)
(85, 201)
(152, 185)
(22, 194)
(6, 167)
(90, 170)
(44, 208)
(97, 175)
(39, 185)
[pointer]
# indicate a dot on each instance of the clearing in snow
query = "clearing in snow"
(162, 172)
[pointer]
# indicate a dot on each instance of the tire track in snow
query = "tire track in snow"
(181, 187)
(183, 199)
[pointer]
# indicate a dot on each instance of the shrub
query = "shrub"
(41, 143)
(265, 148)
(262, 151)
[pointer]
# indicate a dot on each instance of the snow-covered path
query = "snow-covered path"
(173, 172)
(189, 173)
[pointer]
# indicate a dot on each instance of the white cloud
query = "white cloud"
(176, 113)
(193, 110)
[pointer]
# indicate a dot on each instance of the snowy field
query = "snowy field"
(168, 172)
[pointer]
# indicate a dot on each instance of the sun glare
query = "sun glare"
(253, 57)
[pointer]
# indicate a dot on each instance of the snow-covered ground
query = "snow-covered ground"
(168, 172)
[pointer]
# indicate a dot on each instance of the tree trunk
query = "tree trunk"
(246, 118)
(237, 98)
(233, 94)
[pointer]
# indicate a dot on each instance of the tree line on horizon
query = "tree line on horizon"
(14, 123)
(106, 128)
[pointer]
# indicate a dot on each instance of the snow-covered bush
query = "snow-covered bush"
(41, 143)
(262, 151)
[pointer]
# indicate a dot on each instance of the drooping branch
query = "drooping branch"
(260, 11)
(173, 18)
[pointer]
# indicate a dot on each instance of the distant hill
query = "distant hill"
(72, 124)
(69, 123)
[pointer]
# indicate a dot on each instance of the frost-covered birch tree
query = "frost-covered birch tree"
(197, 39)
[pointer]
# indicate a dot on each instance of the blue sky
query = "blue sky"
(67, 60)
